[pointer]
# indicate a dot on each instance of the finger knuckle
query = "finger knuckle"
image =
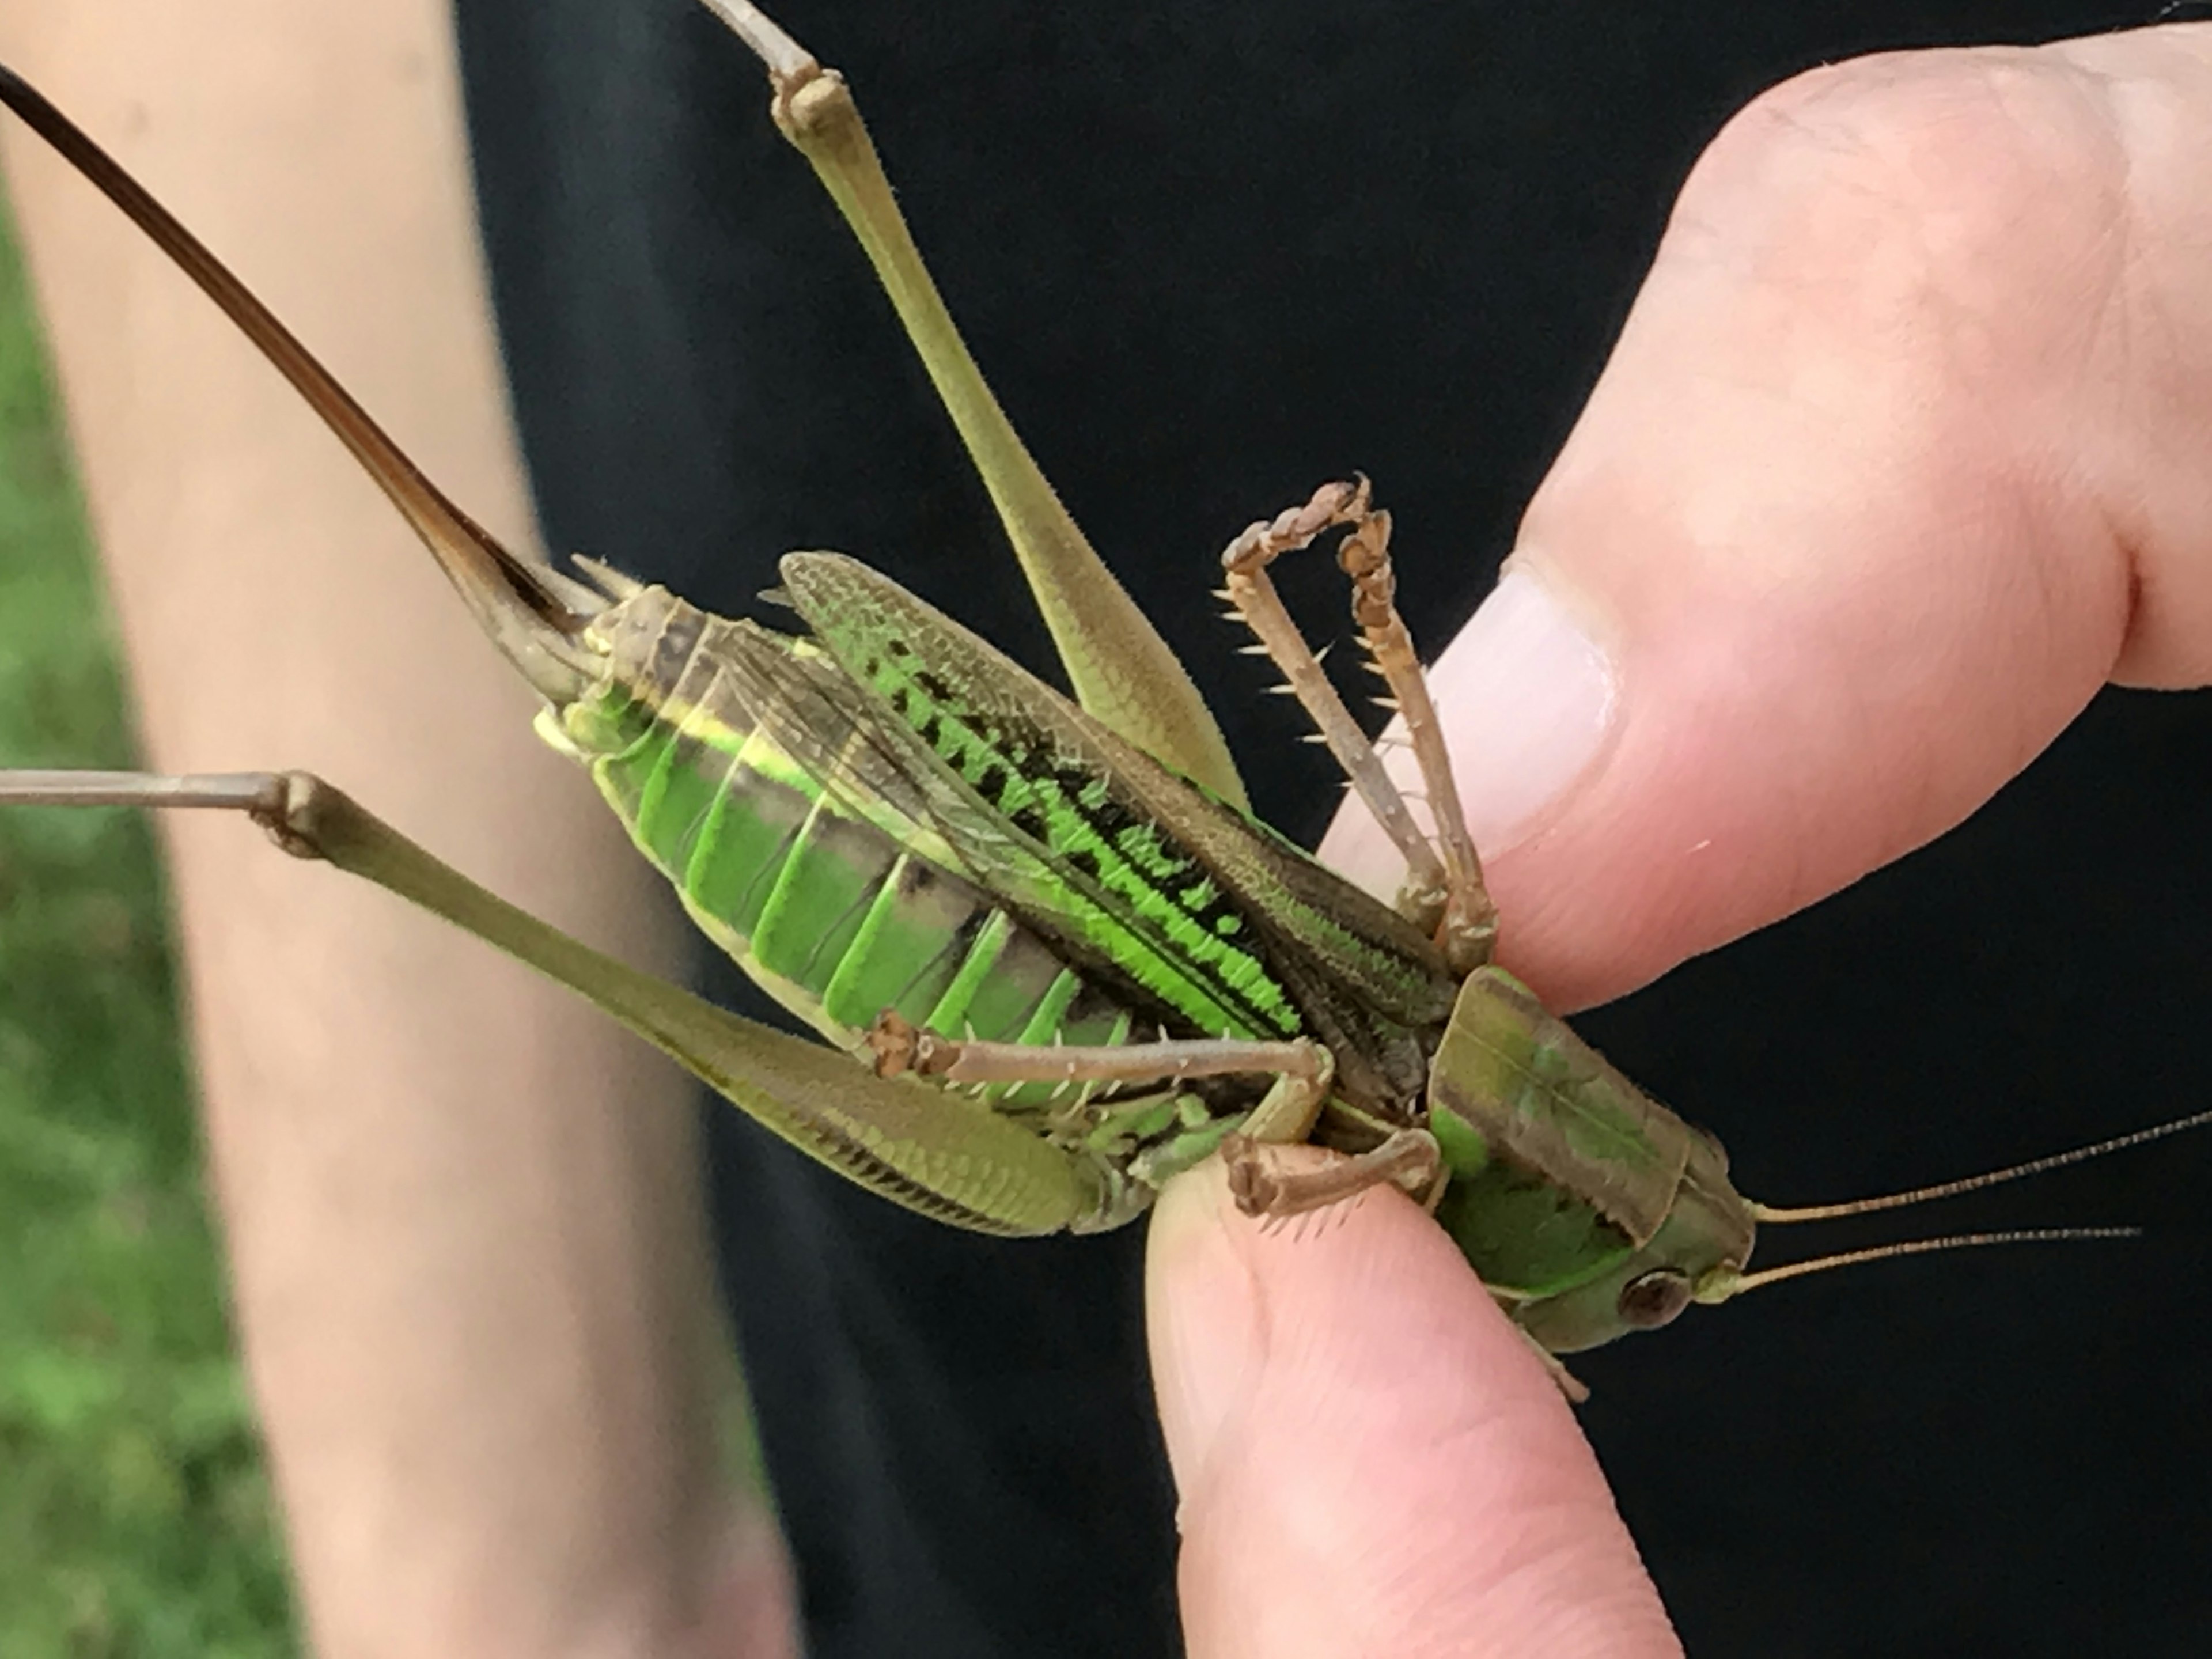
(1912, 186)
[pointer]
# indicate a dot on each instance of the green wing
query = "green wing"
(1126, 859)
(840, 733)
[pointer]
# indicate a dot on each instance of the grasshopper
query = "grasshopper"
(1070, 964)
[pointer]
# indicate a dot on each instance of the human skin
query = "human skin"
(1905, 434)
(461, 1216)
(1900, 436)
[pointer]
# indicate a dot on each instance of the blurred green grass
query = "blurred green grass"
(135, 1516)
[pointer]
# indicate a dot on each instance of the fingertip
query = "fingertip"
(1369, 1458)
(1202, 1304)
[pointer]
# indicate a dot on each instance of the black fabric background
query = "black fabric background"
(1210, 255)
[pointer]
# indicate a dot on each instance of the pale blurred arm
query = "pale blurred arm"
(462, 1211)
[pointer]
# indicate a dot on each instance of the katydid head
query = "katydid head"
(1682, 1265)
(1591, 1211)
(1697, 1255)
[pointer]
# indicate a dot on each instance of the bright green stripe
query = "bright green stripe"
(723, 823)
(1245, 999)
(1045, 1023)
(624, 772)
(663, 778)
(1254, 1006)
(950, 1017)
(1006, 997)
(820, 897)
(902, 957)
(868, 974)
(1140, 845)
(745, 839)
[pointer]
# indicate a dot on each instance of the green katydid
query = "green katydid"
(1092, 967)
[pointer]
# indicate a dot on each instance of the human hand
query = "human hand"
(1901, 456)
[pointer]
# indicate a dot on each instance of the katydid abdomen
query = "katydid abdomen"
(841, 904)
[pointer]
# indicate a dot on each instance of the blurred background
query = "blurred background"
(134, 1517)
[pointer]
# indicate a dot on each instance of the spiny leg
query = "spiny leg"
(1409, 1160)
(1444, 894)
(1303, 1069)
(1244, 562)
(1470, 922)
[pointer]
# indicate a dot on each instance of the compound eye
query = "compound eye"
(1650, 1300)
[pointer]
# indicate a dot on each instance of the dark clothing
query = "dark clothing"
(1209, 256)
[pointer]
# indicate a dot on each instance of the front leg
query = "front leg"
(1443, 889)
(1408, 1159)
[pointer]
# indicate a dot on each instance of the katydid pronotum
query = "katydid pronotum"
(933, 858)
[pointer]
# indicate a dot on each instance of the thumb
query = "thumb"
(1370, 1459)
(1899, 459)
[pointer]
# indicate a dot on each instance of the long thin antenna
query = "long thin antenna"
(1768, 1215)
(1926, 1247)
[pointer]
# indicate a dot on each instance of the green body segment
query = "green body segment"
(839, 902)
